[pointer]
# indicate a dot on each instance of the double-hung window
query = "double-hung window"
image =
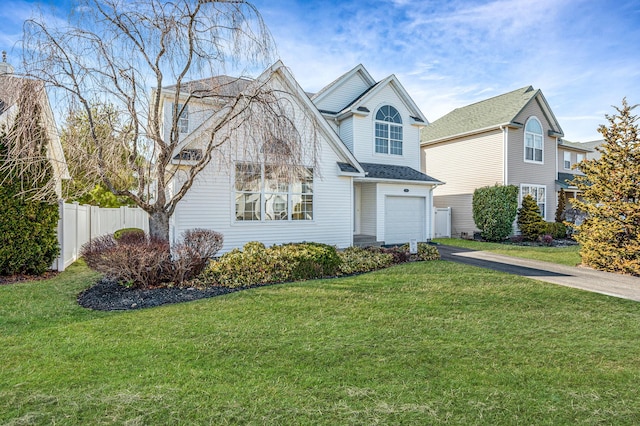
(567, 160)
(533, 141)
(270, 193)
(388, 129)
(538, 192)
(183, 120)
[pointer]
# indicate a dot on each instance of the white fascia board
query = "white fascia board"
(399, 181)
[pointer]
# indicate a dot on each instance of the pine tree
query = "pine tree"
(530, 222)
(562, 206)
(610, 235)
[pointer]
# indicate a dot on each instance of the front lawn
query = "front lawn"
(419, 343)
(569, 255)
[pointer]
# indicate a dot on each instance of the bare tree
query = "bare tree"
(150, 57)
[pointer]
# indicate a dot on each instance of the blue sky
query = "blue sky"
(583, 54)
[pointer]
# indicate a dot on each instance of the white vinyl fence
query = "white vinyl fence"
(78, 224)
(442, 222)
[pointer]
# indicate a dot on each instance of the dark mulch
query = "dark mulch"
(107, 295)
(18, 278)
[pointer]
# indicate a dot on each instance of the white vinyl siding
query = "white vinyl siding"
(364, 133)
(347, 91)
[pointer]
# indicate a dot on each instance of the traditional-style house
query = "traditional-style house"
(362, 179)
(510, 139)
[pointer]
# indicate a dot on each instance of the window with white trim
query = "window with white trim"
(266, 193)
(580, 158)
(533, 141)
(538, 192)
(388, 129)
(567, 160)
(183, 121)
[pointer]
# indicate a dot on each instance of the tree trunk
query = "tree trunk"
(159, 225)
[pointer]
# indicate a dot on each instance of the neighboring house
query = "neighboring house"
(10, 86)
(570, 154)
(366, 181)
(593, 153)
(510, 139)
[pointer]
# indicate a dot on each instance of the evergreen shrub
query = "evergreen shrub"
(494, 210)
(530, 222)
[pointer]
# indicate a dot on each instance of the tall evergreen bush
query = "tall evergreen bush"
(494, 210)
(28, 239)
(610, 234)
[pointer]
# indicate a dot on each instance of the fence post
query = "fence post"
(60, 259)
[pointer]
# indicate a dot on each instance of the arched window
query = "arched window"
(533, 141)
(388, 131)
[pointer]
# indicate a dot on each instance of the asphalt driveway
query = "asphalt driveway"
(622, 286)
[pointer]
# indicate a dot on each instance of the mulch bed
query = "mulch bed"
(107, 295)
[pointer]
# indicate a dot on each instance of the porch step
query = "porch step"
(366, 241)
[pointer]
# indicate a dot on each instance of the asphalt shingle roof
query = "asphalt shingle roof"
(217, 86)
(488, 113)
(386, 171)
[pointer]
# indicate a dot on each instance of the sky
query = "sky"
(583, 54)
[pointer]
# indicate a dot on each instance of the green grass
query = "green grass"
(422, 343)
(569, 256)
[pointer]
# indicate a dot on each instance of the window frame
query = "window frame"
(297, 193)
(530, 186)
(533, 135)
(565, 160)
(183, 120)
(388, 135)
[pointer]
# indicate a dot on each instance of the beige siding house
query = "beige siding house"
(570, 154)
(510, 139)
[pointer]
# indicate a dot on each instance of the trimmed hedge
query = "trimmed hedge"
(121, 232)
(494, 210)
(256, 264)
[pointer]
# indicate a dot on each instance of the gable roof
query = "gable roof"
(355, 106)
(358, 69)
(295, 90)
(220, 86)
(488, 114)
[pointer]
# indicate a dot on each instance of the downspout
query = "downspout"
(505, 153)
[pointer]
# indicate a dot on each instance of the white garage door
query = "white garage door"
(404, 219)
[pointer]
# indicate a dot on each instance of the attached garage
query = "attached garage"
(405, 219)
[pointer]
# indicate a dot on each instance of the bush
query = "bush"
(530, 222)
(136, 260)
(556, 230)
(28, 234)
(494, 210)
(546, 239)
(357, 260)
(131, 260)
(125, 231)
(256, 264)
(426, 251)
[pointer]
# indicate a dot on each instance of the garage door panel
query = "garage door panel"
(404, 219)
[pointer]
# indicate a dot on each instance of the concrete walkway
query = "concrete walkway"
(622, 286)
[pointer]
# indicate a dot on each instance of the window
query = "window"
(580, 158)
(267, 193)
(538, 192)
(388, 131)
(533, 141)
(183, 121)
(567, 160)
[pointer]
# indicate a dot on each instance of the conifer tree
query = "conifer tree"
(610, 235)
(530, 222)
(562, 205)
